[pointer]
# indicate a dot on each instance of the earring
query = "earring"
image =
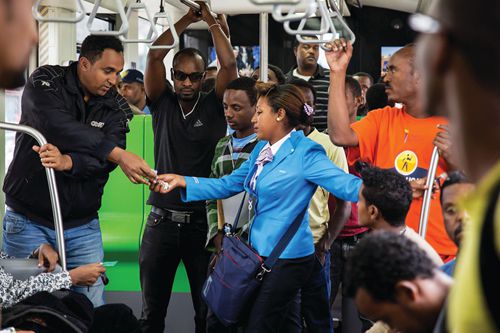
(278, 119)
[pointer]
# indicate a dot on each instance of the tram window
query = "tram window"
(100, 23)
(247, 57)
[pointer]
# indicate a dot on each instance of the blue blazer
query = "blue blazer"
(283, 190)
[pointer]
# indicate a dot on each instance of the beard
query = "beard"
(10, 79)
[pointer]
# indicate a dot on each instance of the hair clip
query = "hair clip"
(308, 109)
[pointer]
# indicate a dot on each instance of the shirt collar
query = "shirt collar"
(277, 145)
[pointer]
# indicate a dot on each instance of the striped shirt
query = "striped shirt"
(321, 82)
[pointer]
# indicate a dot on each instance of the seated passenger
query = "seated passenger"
(455, 187)
(274, 74)
(393, 280)
(281, 176)
(13, 291)
(384, 201)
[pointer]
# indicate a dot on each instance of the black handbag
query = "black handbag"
(239, 271)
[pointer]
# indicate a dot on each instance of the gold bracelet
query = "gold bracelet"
(210, 27)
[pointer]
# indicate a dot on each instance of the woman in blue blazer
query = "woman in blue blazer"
(281, 177)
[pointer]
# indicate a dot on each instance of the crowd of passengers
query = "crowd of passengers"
(347, 156)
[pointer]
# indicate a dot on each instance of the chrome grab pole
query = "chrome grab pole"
(51, 180)
(264, 46)
(426, 202)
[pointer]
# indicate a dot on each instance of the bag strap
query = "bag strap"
(489, 260)
(283, 243)
(237, 218)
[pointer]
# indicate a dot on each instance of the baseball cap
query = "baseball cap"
(131, 76)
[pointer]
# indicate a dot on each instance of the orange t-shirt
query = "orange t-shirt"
(390, 138)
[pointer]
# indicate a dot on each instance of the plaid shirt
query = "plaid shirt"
(223, 164)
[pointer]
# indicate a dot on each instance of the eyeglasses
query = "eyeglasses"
(193, 77)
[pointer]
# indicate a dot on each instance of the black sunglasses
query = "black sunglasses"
(193, 77)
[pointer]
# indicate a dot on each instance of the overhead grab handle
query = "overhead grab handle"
(171, 24)
(325, 26)
(152, 33)
(123, 28)
(40, 18)
(292, 15)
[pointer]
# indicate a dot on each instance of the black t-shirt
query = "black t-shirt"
(185, 146)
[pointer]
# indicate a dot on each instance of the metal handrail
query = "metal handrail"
(195, 6)
(292, 15)
(171, 25)
(51, 180)
(123, 28)
(152, 33)
(426, 201)
(40, 18)
(275, 2)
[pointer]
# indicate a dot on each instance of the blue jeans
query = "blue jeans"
(83, 246)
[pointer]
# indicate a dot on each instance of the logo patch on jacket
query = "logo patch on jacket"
(98, 124)
(198, 123)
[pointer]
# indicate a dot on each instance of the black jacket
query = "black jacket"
(53, 103)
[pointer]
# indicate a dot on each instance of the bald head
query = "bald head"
(407, 52)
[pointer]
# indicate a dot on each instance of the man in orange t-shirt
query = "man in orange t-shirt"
(395, 138)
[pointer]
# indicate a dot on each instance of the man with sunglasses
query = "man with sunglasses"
(187, 125)
(458, 54)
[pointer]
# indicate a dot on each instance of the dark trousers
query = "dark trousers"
(340, 250)
(164, 244)
(312, 304)
(279, 289)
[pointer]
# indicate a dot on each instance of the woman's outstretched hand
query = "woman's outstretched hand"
(167, 182)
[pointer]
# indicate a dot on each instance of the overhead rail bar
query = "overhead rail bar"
(275, 2)
(195, 6)
(171, 24)
(51, 180)
(152, 33)
(40, 18)
(426, 202)
(292, 15)
(123, 28)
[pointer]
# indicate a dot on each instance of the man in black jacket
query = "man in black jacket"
(80, 113)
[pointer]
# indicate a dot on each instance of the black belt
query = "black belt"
(352, 239)
(174, 215)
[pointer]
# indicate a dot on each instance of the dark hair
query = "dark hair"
(381, 260)
(247, 84)
(208, 84)
(353, 85)
(93, 46)
(376, 97)
(389, 191)
(365, 75)
(454, 177)
(304, 84)
(277, 71)
(189, 52)
(287, 97)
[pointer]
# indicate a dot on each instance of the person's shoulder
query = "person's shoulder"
(322, 139)
(48, 77)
